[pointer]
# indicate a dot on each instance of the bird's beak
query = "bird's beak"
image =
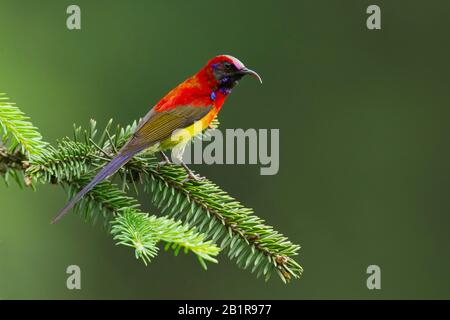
(250, 72)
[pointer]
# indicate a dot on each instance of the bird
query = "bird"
(182, 113)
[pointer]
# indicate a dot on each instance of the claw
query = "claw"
(161, 164)
(193, 177)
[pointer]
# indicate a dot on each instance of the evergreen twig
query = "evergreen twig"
(132, 227)
(17, 132)
(208, 213)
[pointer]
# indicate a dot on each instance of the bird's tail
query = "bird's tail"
(108, 170)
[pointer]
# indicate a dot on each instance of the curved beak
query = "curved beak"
(250, 72)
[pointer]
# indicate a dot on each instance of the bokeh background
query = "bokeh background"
(364, 126)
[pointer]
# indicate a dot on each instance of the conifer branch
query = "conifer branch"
(17, 132)
(12, 166)
(208, 213)
(249, 241)
(134, 228)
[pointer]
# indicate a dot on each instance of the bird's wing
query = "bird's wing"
(155, 127)
(159, 125)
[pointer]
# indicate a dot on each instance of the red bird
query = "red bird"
(191, 106)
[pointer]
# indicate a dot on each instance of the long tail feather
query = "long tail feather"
(108, 170)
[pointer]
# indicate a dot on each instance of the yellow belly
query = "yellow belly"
(183, 136)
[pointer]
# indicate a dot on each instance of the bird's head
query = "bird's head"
(226, 71)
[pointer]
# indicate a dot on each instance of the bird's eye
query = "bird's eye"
(227, 65)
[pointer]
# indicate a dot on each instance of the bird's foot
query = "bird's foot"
(193, 177)
(162, 164)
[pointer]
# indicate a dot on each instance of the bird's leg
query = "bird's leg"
(177, 153)
(165, 157)
(191, 175)
(165, 160)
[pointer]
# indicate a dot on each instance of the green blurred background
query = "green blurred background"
(364, 126)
